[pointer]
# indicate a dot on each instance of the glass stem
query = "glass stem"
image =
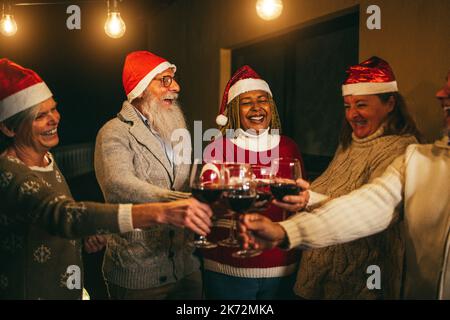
(233, 227)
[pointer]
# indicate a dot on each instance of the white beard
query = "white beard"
(164, 120)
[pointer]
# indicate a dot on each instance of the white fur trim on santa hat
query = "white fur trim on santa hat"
(24, 99)
(212, 167)
(246, 85)
(221, 120)
(143, 84)
(363, 88)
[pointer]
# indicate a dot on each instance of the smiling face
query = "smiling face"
(44, 134)
(166, 96)
(366, 113)
(255, 110)
(37, 136)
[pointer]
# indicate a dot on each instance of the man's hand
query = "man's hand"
(94, 243)
(188, 213)
(259, 232)
(298, 202)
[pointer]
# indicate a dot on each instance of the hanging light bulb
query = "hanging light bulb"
(114, 26)
(269, 9)
(8, 26)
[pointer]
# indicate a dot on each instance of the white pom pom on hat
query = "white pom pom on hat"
(221, 120)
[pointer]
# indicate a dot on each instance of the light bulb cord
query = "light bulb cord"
(6, 8)
(115, 5)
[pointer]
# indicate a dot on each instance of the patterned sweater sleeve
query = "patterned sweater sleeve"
(26, 198)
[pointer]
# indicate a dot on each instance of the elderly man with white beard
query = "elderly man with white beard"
(135, 162)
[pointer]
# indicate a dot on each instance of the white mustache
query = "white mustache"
(172, 96)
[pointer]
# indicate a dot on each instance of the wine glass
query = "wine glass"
(235, 176)
(206, 186)
(241, 194)
(262, 178)
(283, 175)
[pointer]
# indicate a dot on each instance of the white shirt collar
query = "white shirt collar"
(167, 146)
(144, 118)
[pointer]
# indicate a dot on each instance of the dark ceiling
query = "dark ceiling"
(150, 7)
(82, 67)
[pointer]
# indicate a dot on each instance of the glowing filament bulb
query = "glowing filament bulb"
(8, 25)
(114, 26)
(269, 9)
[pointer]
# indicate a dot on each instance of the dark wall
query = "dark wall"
(305, 69)
(83, 68)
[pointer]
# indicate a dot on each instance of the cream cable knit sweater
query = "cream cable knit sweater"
(339, 272)
(420, 179)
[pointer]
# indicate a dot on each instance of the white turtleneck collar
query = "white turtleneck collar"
(256, 142)
(373, 136)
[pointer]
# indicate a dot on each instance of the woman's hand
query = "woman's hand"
(297, 202)
(95, 243)
(186, 213)
(259, 232)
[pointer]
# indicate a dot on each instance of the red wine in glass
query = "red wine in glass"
(207, 194)
(237, 178)
(240, 203)
(279, 190)
(261, 175)
(284, 174)
(206, 186)
(263, 196)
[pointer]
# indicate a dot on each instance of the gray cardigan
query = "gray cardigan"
(131, 166)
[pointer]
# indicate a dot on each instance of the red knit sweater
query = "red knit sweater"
(271, 263)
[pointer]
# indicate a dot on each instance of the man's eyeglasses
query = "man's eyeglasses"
(166, 81)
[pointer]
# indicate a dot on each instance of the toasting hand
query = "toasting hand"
(294, 203)
(259, 232)
(188, 213)
(95, 243)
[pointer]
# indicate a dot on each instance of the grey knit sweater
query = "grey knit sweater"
(131, 166)
(339, 272)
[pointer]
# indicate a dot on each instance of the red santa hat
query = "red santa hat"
(139, 70)
(20, 89)
(244, 80)
(372, 76)
(444, 92)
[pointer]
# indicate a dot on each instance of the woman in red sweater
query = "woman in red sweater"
(250, 129)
